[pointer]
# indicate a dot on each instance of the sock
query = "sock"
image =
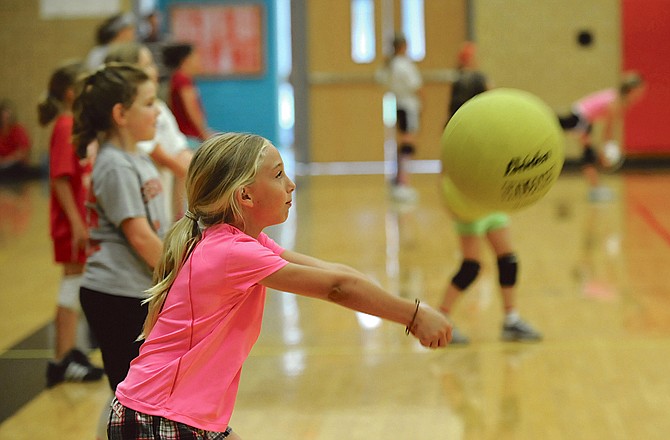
(512, 317)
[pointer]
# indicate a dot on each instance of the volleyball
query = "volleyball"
(466, 210)
(502, 150)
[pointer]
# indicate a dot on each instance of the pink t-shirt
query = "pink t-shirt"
(596, 105)
(188, 369)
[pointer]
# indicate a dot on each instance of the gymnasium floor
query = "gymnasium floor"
(592, 279)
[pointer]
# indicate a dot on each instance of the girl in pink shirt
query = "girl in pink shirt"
(206, 308)
(606, 106)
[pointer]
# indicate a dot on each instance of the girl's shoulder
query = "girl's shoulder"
(233, 236)
(64, 121)
(109, 158)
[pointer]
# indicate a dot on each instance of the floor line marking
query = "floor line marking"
(652, 221)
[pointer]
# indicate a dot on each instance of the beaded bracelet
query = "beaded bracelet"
(411, 324)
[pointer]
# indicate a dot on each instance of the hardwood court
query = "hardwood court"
(593, 279)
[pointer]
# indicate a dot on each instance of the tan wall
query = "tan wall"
(345, 102)
(446, 29)
(31, 49)
(528, 44)
(531, 44)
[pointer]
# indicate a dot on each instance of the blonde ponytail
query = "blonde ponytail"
(177, 246)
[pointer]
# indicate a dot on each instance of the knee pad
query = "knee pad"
(406, 148)
(507, 270)
(589, 156)
(466, 274)
(68, 294)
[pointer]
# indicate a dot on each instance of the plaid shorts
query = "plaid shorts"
(127, 424)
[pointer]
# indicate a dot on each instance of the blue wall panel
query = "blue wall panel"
(245, 104)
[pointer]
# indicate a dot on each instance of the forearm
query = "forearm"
(162, 158)
(358, 293)
(198, 119)
(365, 296)
(63, 192)
(609, 129)
(196, 116)
(149, 248)
(143, 239)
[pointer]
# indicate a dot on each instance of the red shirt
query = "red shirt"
(15, 139)
(179, 82)
(63, 162)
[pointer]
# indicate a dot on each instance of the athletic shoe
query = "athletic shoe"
(601, 194)
(75, 367)
(520, 331)
(458, 338)
(404, 193)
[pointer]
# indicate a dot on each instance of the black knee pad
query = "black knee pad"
(589, 156)
(406, 148)
(466, 274)
(508, 267)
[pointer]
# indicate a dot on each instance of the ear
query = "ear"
(244, 197)
(119, 114)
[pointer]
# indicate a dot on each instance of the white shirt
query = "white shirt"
(404, 81)
(173, 142)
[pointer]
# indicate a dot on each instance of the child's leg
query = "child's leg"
(68, 309)
(116, 322)
(500, 240)
(405, 155)
(589, 161)
(407, 127)
(466, 275)
(514, 328)
(463, 278)
(70, 364)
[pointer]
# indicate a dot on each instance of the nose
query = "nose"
(291, 185)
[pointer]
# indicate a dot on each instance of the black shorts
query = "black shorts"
(574, 121)
(407, 121)
(116, 322)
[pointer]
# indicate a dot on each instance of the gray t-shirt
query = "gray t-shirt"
(113, 266)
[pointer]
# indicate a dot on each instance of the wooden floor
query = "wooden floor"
(594, 280)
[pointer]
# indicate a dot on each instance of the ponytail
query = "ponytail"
(177, 246)
(98, 93)
(47, 110)
(62, 79)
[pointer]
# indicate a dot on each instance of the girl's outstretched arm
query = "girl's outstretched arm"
(356, 292)
(306, 260)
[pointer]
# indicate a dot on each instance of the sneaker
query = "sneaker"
(75, 367)
(601, 194)
(458, 338)
(404, 193)
(520, 331)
